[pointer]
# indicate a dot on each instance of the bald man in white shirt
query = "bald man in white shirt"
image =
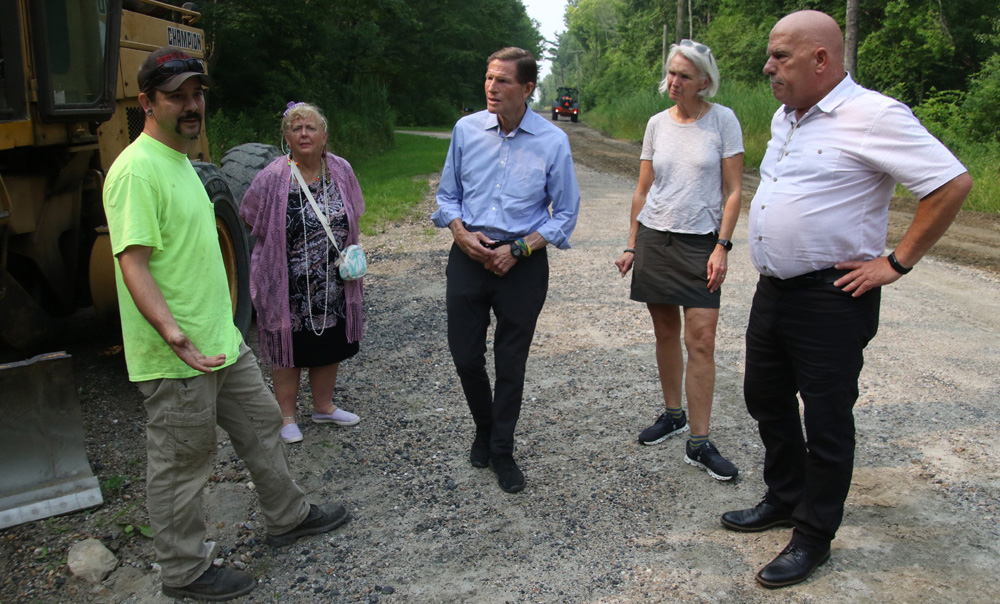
(817, 233)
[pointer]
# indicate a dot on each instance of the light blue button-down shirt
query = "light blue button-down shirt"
(509, 185)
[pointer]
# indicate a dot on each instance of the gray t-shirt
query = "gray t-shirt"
(686, 196)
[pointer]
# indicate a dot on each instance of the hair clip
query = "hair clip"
(292, 105)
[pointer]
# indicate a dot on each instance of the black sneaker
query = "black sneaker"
(508, 474)
(708, 458)
(321, 519)
(214, 585)
(665, 427)
(479, 455)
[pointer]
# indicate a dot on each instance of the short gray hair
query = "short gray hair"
(703, 60)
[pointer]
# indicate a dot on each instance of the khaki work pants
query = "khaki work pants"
(182, 447)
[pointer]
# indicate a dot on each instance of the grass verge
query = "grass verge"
(395, 182)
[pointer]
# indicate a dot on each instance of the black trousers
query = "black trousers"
(808, 337)
(516, 299)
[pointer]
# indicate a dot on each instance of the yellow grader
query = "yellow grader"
(68, 107)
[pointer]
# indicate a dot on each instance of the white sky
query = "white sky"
(549, 14)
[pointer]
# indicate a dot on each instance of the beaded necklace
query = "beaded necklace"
(323, 194)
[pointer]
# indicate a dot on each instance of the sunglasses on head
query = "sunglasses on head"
(174, 67)
(699, 47)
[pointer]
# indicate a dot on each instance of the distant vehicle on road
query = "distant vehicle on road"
(567, 103)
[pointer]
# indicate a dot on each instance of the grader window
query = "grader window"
(13, 100)
(76, 44)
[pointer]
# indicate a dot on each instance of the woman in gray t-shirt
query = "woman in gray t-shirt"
(684, 211)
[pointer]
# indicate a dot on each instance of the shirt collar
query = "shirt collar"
(840, 93)
(528, 121)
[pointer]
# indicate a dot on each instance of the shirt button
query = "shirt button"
(820, 151)
(786, 153)
(760, 238)
(775, 179)
(493, 209)
(498, 185)
(503, 163)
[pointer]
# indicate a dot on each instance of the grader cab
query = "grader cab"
(68, 107)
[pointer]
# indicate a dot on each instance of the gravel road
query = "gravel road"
(602, 520)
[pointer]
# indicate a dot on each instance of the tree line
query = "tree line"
(370, 64)
(942, 57)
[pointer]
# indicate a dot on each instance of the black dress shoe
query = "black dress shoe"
(479, 455)
(761, 517)
(793, 565)
(508, 474)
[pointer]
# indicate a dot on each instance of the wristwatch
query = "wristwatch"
(516, 251)
(725, 243)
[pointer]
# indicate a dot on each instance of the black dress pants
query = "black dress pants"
(516, 299)
(808, 337)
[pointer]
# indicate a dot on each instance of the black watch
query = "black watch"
(725, 243)
(516, 251)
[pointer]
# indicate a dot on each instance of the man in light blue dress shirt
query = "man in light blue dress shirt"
(508, 190)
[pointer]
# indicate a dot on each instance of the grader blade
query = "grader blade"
(44, 470)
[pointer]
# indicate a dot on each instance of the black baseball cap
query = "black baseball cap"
(168, 67)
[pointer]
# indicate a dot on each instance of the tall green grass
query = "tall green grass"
(753, 104)
(981, 160)
(395, 182)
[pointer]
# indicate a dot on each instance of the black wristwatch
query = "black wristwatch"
(725, 243)
(897, 265)
(516, 251)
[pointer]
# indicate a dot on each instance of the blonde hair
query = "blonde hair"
(300, 111)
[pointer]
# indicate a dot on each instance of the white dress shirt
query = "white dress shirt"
(827, 178)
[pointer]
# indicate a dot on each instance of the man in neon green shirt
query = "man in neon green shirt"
(181, 347)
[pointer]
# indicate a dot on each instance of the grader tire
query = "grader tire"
(241, 163)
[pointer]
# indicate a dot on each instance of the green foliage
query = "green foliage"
(740, 48)
(754, 106)
(627, 118)
(900, 57)
(144, 529)
(981, 160)
(980, 106)
(367, 63)
(396, 182)
(115, 485)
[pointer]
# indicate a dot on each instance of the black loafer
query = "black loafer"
(793, 565)
(761, 517)
(509, 476)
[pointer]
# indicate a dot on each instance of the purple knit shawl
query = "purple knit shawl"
(263, 208)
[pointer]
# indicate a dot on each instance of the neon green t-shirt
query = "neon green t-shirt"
(154, 198)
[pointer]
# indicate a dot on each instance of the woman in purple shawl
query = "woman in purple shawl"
(307, 316)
